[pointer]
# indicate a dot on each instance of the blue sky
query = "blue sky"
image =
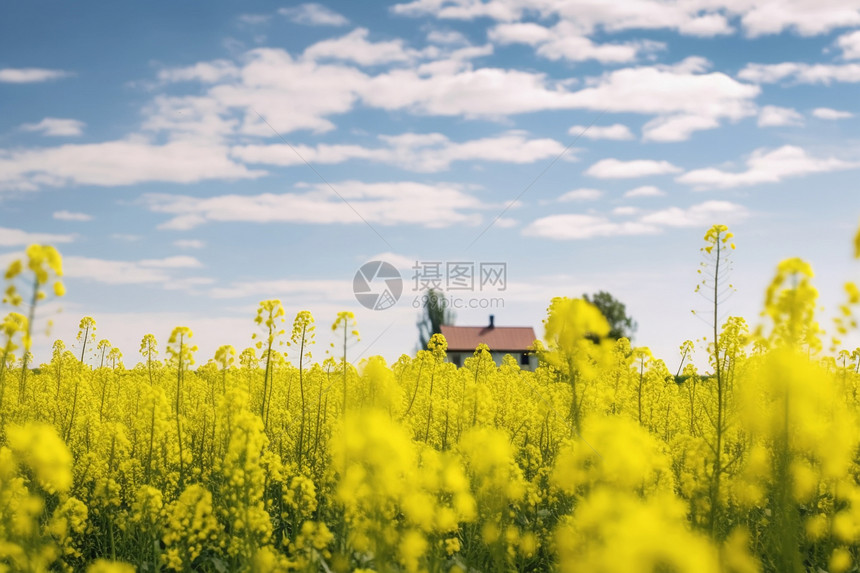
(189, 162)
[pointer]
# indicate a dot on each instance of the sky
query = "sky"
(189, 162)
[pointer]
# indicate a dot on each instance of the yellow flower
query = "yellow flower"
(42, 450)
(452, 545)
(840, 560)
(105, 566)
(857, 245)
(412, 548)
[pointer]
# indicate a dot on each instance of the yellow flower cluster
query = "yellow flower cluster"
(191, 527)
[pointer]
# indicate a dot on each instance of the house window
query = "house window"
(455, 360)
(524, 359)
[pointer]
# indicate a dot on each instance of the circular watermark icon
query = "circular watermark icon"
(377, 285)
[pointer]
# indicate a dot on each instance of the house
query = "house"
(513, 340)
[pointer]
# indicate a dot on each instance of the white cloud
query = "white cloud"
(581, 195)
(471, 92)
(56, 127)
(290, 94)
(706, 26)
(766, 166)
(512, 147)
(683, 97)
(70, 216)
(831, 114)
(676, 127)
(645, 191)
(189, 244)
(190, 117)
(768, 73)
(850, 45)
(775, 116)
(313, 14)
(204, 72)
(702, 215)
(566, 41)
(689, 65)
(295, 94)
(801, 73)
(112, 163)
(395, 203)
(654, 90)
(580, 48)
(578, 226)
(16, 237)
(446, 37)
(447, 61)
(458, 10)
(285, 155)
(354, 47)
(114, 272)
(618, 169)
(111, 272)
(616, 131)
(806, 17)
(30, 75)
(424, 152)
(176, 262)
(520, 33)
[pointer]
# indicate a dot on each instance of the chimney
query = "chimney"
(492, 321)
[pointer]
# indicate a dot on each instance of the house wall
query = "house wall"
(459, 358)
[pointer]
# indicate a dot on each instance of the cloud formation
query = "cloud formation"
(581, 195)
(775, 116)
(56, 127)
(20, 238)
(831, 114)
(618, 169)
(616, 131)
(766, 166)
(30, 75)
(587, 226)
(423, 152)
(115, 272)
(313, 14)
(756, 18)
(345, 202)
(644, 191)
(850, 45)
(124, 162)
(70, 216)
(801, 73)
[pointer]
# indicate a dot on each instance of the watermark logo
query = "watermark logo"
(377, 285)
(466, 276)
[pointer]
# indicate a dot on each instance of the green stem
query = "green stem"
(22, 391)
(178, 417)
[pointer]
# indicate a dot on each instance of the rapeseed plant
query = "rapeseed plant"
(603, 459)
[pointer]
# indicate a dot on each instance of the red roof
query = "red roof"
(498, 338)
